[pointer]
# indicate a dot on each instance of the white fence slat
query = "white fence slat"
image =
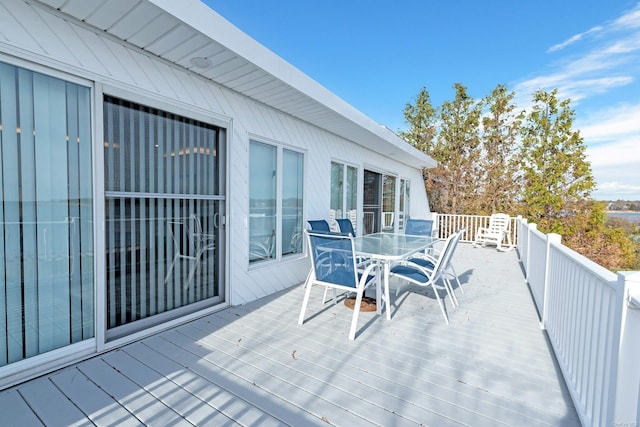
(627, 404)
(581, 308)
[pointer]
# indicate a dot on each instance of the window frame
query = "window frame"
(100, 90)
(278, 243)
(85, 345)
(346, 196)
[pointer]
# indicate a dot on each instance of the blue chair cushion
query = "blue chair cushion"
(343, 277)
(340, 276)
(319, 225)
(346, 226)
(419, 227)
(410, 273)
(423, 263)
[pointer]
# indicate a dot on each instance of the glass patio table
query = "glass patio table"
(386, 248)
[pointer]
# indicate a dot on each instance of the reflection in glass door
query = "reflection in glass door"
(46, 215)
(164, 201)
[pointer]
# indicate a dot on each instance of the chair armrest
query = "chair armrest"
(407, 263)
(364, 276)
(422, 255)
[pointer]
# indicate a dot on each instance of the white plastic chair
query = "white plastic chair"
(498, 231)
(353, 217)
(387, 221)
(333, 224)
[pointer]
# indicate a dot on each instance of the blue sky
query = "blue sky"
(377, 55)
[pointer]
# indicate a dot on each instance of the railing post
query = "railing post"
(520, 224)
(529, 228)
(555, 239)
(626, 369)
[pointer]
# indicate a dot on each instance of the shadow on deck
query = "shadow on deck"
(254, 365)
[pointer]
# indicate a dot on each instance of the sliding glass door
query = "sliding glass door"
(372, 205)
(380, 213)
(344, 194)
(164, 201)
(46, 214)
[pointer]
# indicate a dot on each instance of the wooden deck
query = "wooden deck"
(254, 365)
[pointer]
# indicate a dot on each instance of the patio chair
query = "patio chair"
(346, 227)
(353, 217)
(499, 230)
(333, 224)
(428, 261)
(420, 227)
(340, 273)
(319, 225)
(387, 221)
(408, 271)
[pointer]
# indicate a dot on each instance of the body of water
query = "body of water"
(631, 216)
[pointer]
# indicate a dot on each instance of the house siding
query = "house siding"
(36, 37)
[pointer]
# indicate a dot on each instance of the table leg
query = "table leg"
(378, 289)
(387, 298)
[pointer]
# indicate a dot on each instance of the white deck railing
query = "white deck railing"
(448, 224)
(592, 323)
(590, 314)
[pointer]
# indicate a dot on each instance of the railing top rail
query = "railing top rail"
(590, 267)
(537, 232)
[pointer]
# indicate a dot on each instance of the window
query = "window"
(336, 205)
(46, 214)
(262, 201)
(275, 210)
(292, 192)
(403, 214)
(164, 199)
(344, 193)
(389, 217)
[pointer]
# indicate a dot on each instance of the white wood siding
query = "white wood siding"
(39, 35)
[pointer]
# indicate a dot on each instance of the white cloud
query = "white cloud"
(612, 137)
(611, 133)
(610, 63)
(625, 152)
(629, 20)
(611, 124)
(574, 39)
(615, 190)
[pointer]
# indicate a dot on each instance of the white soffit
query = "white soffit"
(179, 31)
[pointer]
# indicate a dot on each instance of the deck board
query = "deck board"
(196, 411)
(51, 406)
(15, 410)
(136, 400)
(235, 408)
(254, 365)
(101, 408)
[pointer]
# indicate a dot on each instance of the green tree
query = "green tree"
(498, 170)
(452, 185)
(557, 178)
(421, 118)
